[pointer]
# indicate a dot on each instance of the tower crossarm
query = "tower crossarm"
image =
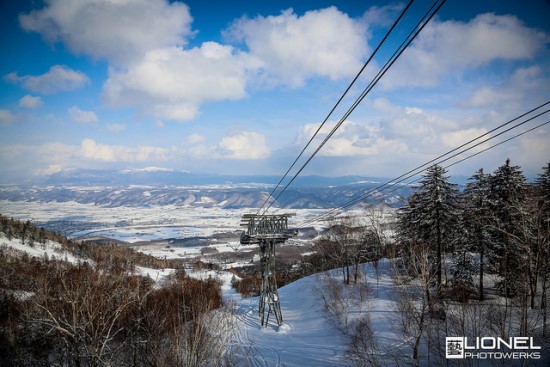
(258, 227)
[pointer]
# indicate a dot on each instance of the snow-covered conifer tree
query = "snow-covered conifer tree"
(475, 216)
(431, 216)
(542, 184)
(507, 198)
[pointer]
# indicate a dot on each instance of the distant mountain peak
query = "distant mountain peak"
(152, 169)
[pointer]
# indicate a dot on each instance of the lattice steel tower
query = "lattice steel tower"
(267, 231)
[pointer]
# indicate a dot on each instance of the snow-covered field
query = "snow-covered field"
(156, 230)
(132, 224)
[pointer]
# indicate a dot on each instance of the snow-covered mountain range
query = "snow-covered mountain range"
(158, 188)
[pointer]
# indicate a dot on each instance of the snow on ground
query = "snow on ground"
(305, 339)
(52, 249)
(133, 224)
(158, 275)
(308, 337)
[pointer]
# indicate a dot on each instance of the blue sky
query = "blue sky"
(238, 87)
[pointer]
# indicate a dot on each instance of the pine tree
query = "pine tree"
(431, 216)
(476, 212)
(463, 270)
(542, 184)
(507, 197)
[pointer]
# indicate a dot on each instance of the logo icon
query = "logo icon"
(454, 347)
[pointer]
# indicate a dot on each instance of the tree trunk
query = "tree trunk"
(543, 305)
(419, 336)
(438, 239)
(481, 253)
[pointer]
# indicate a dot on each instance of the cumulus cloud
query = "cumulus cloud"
(6, 118)
(170, 83)
(457, 138)
(354, 139)
(443, 46)
(50, 170)
(119, 31)
(150, 69)
(53, 153)
(82, 117)
(92, 150)
(394, 135)
(245, 145)
(533, 145)
(194, 139)
(15, 156)
(292, 48)
(59, 78)
(382, 15)
(116, 128)
(148, 169)
(29, 101)
(50, 158)
(524, 83)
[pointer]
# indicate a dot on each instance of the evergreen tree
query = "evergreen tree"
(507, 197)
(476, 212)
(463, 270)
(542, 184)
(431, 216)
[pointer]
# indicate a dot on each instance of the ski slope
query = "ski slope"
(307, 336)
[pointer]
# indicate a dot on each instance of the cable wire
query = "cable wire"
(439, 160)
(337, 103)
(408, 40)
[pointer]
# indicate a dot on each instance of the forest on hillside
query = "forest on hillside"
(99, 311)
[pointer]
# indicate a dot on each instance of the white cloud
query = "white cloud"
(29, 101)
(449, 45)
(170, 83)
(81, 116)
(523, 84)
(119, 31)
(292, 48)
(353, 139)
(6, 118)
(89, 149)
(382, 15)
(245, 145)
(49, 153)
(534, 145)
(50, 170)
(148, 169)
(457, 138)
(150, 70)
(116, 128)
(59, 78)
(194, 139)
(56, 156)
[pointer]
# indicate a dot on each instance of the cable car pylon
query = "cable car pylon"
(267, 231)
